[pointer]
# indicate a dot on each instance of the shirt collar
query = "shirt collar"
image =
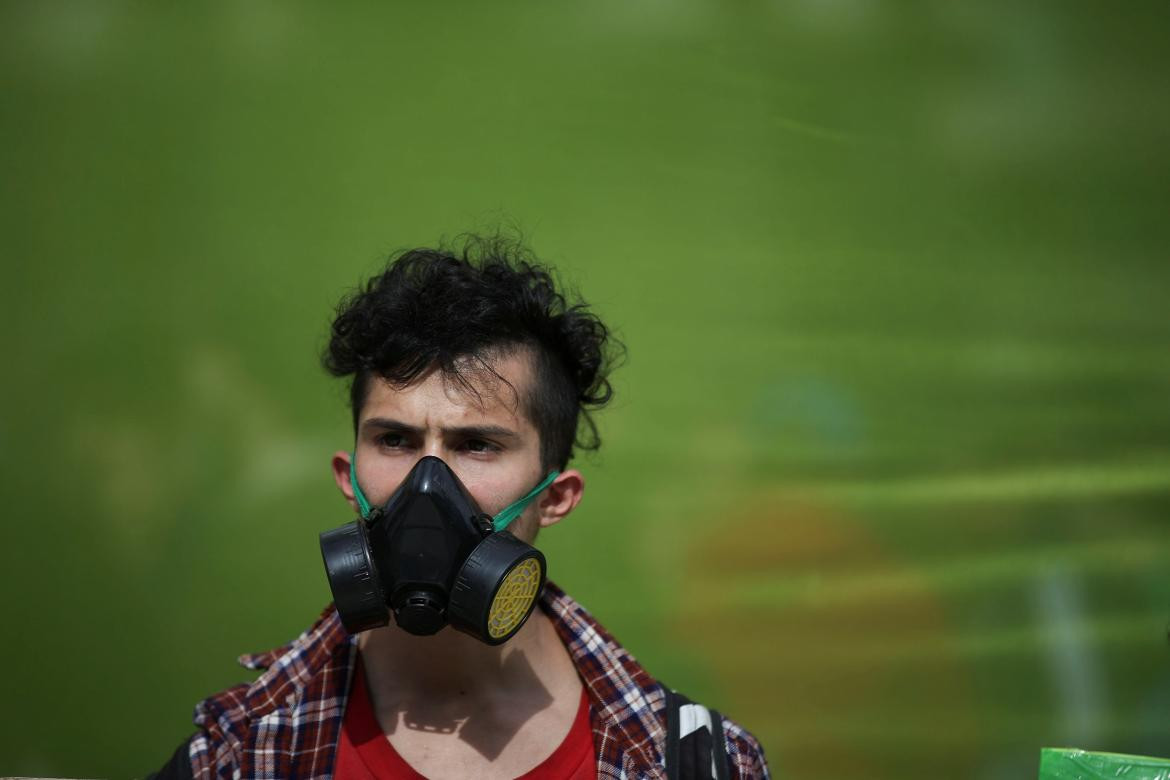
(624, 696)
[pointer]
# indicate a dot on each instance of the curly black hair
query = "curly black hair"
(455, 308)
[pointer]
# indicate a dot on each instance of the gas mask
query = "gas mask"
(431, 557)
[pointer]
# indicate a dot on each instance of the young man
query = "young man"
(471, 379)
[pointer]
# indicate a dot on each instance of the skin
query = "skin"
(452, 706)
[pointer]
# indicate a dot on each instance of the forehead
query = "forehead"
(479, 394)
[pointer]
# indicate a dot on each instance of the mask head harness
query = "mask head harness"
(430, 556)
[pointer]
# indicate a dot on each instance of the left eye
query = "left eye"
(479, 445)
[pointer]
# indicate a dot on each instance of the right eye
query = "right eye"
(392, 440)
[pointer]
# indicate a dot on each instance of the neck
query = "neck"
(402, 667)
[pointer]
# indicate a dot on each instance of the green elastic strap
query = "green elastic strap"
(357, 489)
(499, 522)
(513, 510)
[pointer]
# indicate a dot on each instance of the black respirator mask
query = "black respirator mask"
(431, 557)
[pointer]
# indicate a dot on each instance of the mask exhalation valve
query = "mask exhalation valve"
(419, 612)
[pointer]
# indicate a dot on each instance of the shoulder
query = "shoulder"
(634, 705)
(222, 721)
(301, 688)
(745, 755)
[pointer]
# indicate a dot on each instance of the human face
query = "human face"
(484, 436)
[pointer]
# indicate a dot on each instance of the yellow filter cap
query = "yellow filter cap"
(514, 598)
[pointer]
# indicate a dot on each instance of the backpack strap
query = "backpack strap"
(696, 748)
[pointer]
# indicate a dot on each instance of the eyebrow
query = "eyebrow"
(469, 431)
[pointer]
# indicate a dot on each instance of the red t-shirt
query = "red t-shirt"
(364, 753)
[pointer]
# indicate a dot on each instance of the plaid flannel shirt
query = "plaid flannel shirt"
(286, 723)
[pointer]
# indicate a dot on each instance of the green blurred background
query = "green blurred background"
(888, 472)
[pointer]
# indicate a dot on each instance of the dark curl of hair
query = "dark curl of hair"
(456, 309)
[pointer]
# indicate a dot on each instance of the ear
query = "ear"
(561, 497)
(340, 464)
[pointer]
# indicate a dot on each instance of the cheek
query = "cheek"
(379, 478)
(490, 490)
(486, 495)
(525, 526)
